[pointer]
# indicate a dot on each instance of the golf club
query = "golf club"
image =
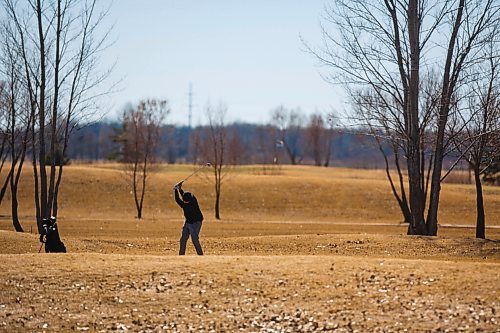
(194, 172)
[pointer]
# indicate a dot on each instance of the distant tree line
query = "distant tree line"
(248, 144)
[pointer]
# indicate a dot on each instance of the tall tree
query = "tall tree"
(289, 125)
(330, 121)
(315, 132)
(18, 126)
(475, 25)
(4, 124)
(475, 125)
(215, 149)
(384, 49)
(59, 43)
(139, 138)
(319, 138)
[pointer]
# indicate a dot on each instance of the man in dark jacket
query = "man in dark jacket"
(194, 218)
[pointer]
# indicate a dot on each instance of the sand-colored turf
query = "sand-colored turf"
(298, 193)
(302, 249)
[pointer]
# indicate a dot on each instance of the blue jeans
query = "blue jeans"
(192, 229)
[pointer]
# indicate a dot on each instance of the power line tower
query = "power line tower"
(190, 105)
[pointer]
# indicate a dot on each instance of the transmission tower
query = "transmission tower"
(190, 105)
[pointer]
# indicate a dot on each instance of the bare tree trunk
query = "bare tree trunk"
(217, 197)
(13, 190)
(404, 201)
(53, 139)
(403, 204)
(38, 211)
(328, 147)
(143, 190)
(14, 183)
(480, 223)
(417, 223)
(4, 186)
(447, 90)
(134, 187)
(41, 114)
(7, 180)
(139, 212)
(14, 206)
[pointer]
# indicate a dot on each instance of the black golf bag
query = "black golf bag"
(50, 236)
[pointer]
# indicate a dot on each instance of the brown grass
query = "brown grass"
(308, 249)
(297, 194)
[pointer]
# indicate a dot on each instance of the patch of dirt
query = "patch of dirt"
(356, 245)
(95, 292)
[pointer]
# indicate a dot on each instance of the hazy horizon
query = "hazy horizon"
(247, 54)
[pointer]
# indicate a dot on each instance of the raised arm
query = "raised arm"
(178, 190)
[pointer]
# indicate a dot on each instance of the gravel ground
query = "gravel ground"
(147, 293)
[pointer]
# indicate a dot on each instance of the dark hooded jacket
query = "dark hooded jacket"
(191, 209)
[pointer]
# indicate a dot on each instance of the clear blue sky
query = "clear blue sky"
(245, 53)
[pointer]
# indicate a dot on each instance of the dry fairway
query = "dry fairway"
(308, 249)
(105, 293)
(298, 193)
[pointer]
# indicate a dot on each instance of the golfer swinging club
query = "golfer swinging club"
(194, 218)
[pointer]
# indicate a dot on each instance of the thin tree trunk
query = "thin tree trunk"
(328, 149)
(69, 116)
(217, 202)
(4, 154)
(4, 186)
(14, 159)
(13, 190)
(403, 204)
(447, 90)
(404, 208)
(136, 200)
(480, 223)
(53, 139)
(38, 212)
(143, 190)
(139, 212)
(14, 182)
(41, 114)
(14, 206)
(33, 102)
(17, 178)
(217, 172)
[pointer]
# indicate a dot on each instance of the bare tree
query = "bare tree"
(315, 132)
(289, 124)
(215, 149)
(476, 128)
(475, 25)
(383, 49)
(59, 43)
(383, 119)
(492, 173)
(4, 124)
(330, 121)
(263, 143)
(18, 129)
(139, 139)
(319, 138)
(236, 153)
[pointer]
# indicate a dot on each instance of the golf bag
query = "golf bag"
(50, 236)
